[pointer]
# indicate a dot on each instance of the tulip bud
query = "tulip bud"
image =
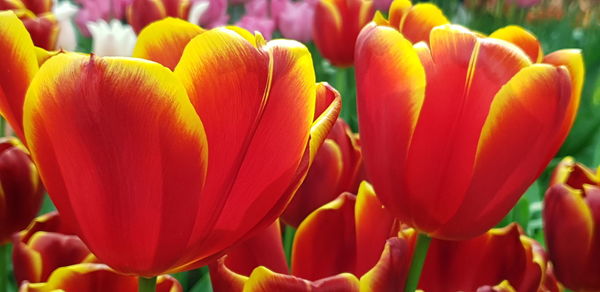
(45, 246)
(143, 12)
(572, 225)
(21, 191)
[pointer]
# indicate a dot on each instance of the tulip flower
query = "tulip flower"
(572, 225)
(215, 14)
(20, 186)
(161, 171)
(143, 12)
(294, 18)
(95, 10)
(336, 26)
(354, 238)
(336, 169)
(95, 278)
(413, 21)
(442, 151)
(45, 246)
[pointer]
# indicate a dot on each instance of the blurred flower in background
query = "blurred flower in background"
(112, 39)
(95, 10)
(572, 225)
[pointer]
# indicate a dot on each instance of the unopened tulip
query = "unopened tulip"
(336, 26)
(454, 130)
(20, 188)
(336, 169)
(572, 225)
(413, 21)
(91, 277)
(161, 171)
(46, 245)
(354, 238)
(140, 13)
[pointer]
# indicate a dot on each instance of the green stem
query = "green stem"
(418, 260)
(288, 242)
(344, 83)
(146, 284)
(2, 127)
(4, 260)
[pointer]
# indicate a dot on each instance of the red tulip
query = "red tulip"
(43, 30)
(442, 150)
(140, 13)
(95, 278)
(572, 225)
(45, 246)
(336, 169)
(345, 241)
(336, 26)
(21, 191)
(219, 145)
(413, 21)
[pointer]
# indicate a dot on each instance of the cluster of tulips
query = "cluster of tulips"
(206, 144)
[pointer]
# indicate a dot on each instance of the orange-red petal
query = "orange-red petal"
(523, 39)
(163, 41)
(129, 124)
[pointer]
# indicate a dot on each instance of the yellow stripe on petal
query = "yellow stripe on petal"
(163, 41)
(19, 65)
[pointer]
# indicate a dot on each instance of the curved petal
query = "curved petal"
(374, 225)
(257, 106)
(263, 249)
(320, 185)
(498, 255)
(143, 12)
(325, 242)
(573, 174)
(130, 125)
(96, 278)
(224, 279)
(573, 61)
(163, 41)
(328, 18)
(43, 30)
(514, 147)
(18, 59)
(398, 11)
(264, 280)
(391, 271)
(387, 109)
(420, 20)
(464, 75)
(523, 39)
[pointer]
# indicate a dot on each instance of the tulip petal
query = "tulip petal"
(488, 259)
(391, 271)
(163, 41)
(18, 60)
(38, 6)
(566, 210)
(387, 110)
(523, 39)
(263, 249)
(257, 106)
(140, 13)
(503, 167)
(320, 185)
(420, 20)
(264, 280)
(96, 278)
(573, 61)
(43, 30)
(325, 241)
(224, 279)
(374, 225)
(465, 74)
(148, 175)
(398, 11)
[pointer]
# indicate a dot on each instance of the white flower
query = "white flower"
(198, 9)
(64, 12)
(112, 39)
